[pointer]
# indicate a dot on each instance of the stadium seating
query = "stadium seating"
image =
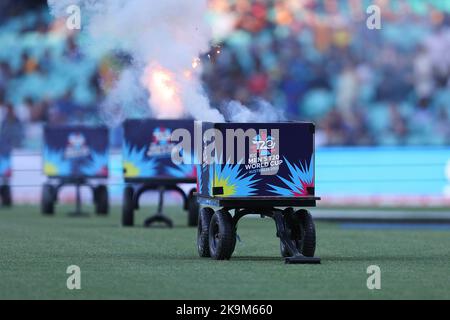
(278, 50)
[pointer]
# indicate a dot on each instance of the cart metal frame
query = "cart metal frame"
(266, 207)
(162, 185)
(59, 182)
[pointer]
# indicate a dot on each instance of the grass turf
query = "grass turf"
(139, 263)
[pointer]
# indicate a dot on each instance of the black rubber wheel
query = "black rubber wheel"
(204, 220)
(101, 200)
(222, 235)
(193, 209)
(5, 193)
(307, 245)
(128, 207)
(302, 231)
(293, 229)
(48, 199)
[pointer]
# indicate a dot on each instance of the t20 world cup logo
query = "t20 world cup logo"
(263, 145)
(161, 144)
(76, 146)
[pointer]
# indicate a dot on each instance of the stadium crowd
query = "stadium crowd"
(316, 60)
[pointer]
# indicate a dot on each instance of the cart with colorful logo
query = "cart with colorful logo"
(264, 169)
(76, 156)
(148, 165)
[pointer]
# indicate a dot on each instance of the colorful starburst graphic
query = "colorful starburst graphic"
(233, 181)
(97, 165)
(136, 164)
(55, 164)
(301, 177)
(186, 169)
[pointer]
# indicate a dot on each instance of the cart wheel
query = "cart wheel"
(193, 208)
(204, 220)
(48, 199)
(5, 193)
(101, 200)
(222, 235)
(307, 242)
(303, 233)
(128, 207)
(293, 228)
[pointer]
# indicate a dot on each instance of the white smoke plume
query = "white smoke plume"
(262, 111)
(128, 99)
(164, 37)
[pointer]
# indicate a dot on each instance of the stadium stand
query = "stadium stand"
(314, 59)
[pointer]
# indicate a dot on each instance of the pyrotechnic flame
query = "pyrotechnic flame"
(195, 63)
(165, 100)
(166, 89)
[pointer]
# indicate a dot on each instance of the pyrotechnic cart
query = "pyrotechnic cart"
(148, 167)
(76, 156)
(5, 174)
(286, 150)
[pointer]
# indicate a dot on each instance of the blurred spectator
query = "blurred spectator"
(347, 89)
(11, 128)
(437, 48)
(5, 75)
(423, 73)
(65, 104)
(29, 65)
(24, 111)
(72, 51)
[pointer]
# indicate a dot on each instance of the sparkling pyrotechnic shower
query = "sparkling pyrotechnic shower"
(165, 100)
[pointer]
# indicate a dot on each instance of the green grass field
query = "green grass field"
(138, 263)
